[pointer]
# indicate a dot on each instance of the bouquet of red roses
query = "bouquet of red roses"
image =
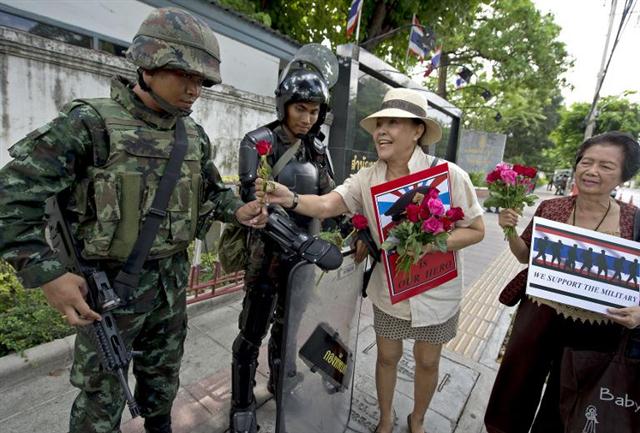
(427, 222)
(510, 187)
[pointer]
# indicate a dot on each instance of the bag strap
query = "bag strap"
(435, 162)
(127, 279)
(636, 226)
(285, 158)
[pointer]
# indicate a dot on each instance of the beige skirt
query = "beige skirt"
(394, 328)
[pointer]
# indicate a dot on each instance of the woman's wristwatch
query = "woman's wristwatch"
(294, 203)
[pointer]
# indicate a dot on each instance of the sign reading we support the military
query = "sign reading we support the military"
(581, 267)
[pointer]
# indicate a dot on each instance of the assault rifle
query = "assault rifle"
(110, 346)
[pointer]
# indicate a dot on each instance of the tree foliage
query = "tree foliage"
(615, 114)
(512, 48)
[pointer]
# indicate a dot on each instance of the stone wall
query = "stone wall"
(38, 76)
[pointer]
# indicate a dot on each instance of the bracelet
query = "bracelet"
(294, 203)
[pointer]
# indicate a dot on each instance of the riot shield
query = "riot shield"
(318, 354)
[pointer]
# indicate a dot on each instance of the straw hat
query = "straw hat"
(406, 103)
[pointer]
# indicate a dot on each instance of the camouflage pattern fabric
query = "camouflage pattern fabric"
(59, 156)
(173, 38)
(159, 334)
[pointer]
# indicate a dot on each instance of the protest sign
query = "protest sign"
(582, 268)
(433, 269)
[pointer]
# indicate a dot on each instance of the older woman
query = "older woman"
(542, 329)
(400, 130)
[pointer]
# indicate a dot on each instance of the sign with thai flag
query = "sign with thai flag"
(352, 18)
(433, 269)
(582, 268)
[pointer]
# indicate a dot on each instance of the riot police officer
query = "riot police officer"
(300, 161)
(110, 153)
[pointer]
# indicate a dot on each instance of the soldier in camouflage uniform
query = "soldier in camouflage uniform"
(302, 102)
(109, 154)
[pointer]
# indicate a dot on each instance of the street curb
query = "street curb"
(48, 357)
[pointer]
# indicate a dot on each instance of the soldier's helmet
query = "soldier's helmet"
(308, 78)
(174, 39)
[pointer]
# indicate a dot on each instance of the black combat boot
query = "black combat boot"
(158, 424)
(244, 420)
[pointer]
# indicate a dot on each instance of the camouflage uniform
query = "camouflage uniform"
(111, 153)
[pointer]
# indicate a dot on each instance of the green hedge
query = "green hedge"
(478, 178)
(26, 319)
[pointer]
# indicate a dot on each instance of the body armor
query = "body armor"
(303, 173)
(124, 186)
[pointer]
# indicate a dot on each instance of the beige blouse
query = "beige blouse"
(440, 303)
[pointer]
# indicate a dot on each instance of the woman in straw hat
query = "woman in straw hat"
(400, 130)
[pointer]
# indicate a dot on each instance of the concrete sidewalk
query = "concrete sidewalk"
(35, 394)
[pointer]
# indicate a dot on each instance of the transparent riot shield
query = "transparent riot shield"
(318, 359)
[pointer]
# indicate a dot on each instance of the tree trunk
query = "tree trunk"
(442, 75)
(375, 24)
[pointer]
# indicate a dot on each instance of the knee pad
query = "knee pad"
(244, 349)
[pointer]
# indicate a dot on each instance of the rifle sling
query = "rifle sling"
(128, 277)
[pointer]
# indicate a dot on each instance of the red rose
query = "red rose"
(525, 171)
(433, 193)
(263, 147)
(447, 224)
(493, 176)
(532, 172)
(455, 214)
(359, 221)
(413, 212)
(424, 211)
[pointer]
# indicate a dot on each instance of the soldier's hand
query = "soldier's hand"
(276, 193)
(253, 214)
(508, 218)
(361, 251)
(67, 295)
(629, 316)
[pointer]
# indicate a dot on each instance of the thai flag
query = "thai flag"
(435, 60)
(416, 39)
(352, 19)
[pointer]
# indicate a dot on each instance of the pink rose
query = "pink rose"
(413, 212)
(503, 166)
(509, 177)
(528, 185)
(433, 225)
(435, 206)
(433, 193)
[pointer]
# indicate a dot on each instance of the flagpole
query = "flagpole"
(406, 56)
(358, 25)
